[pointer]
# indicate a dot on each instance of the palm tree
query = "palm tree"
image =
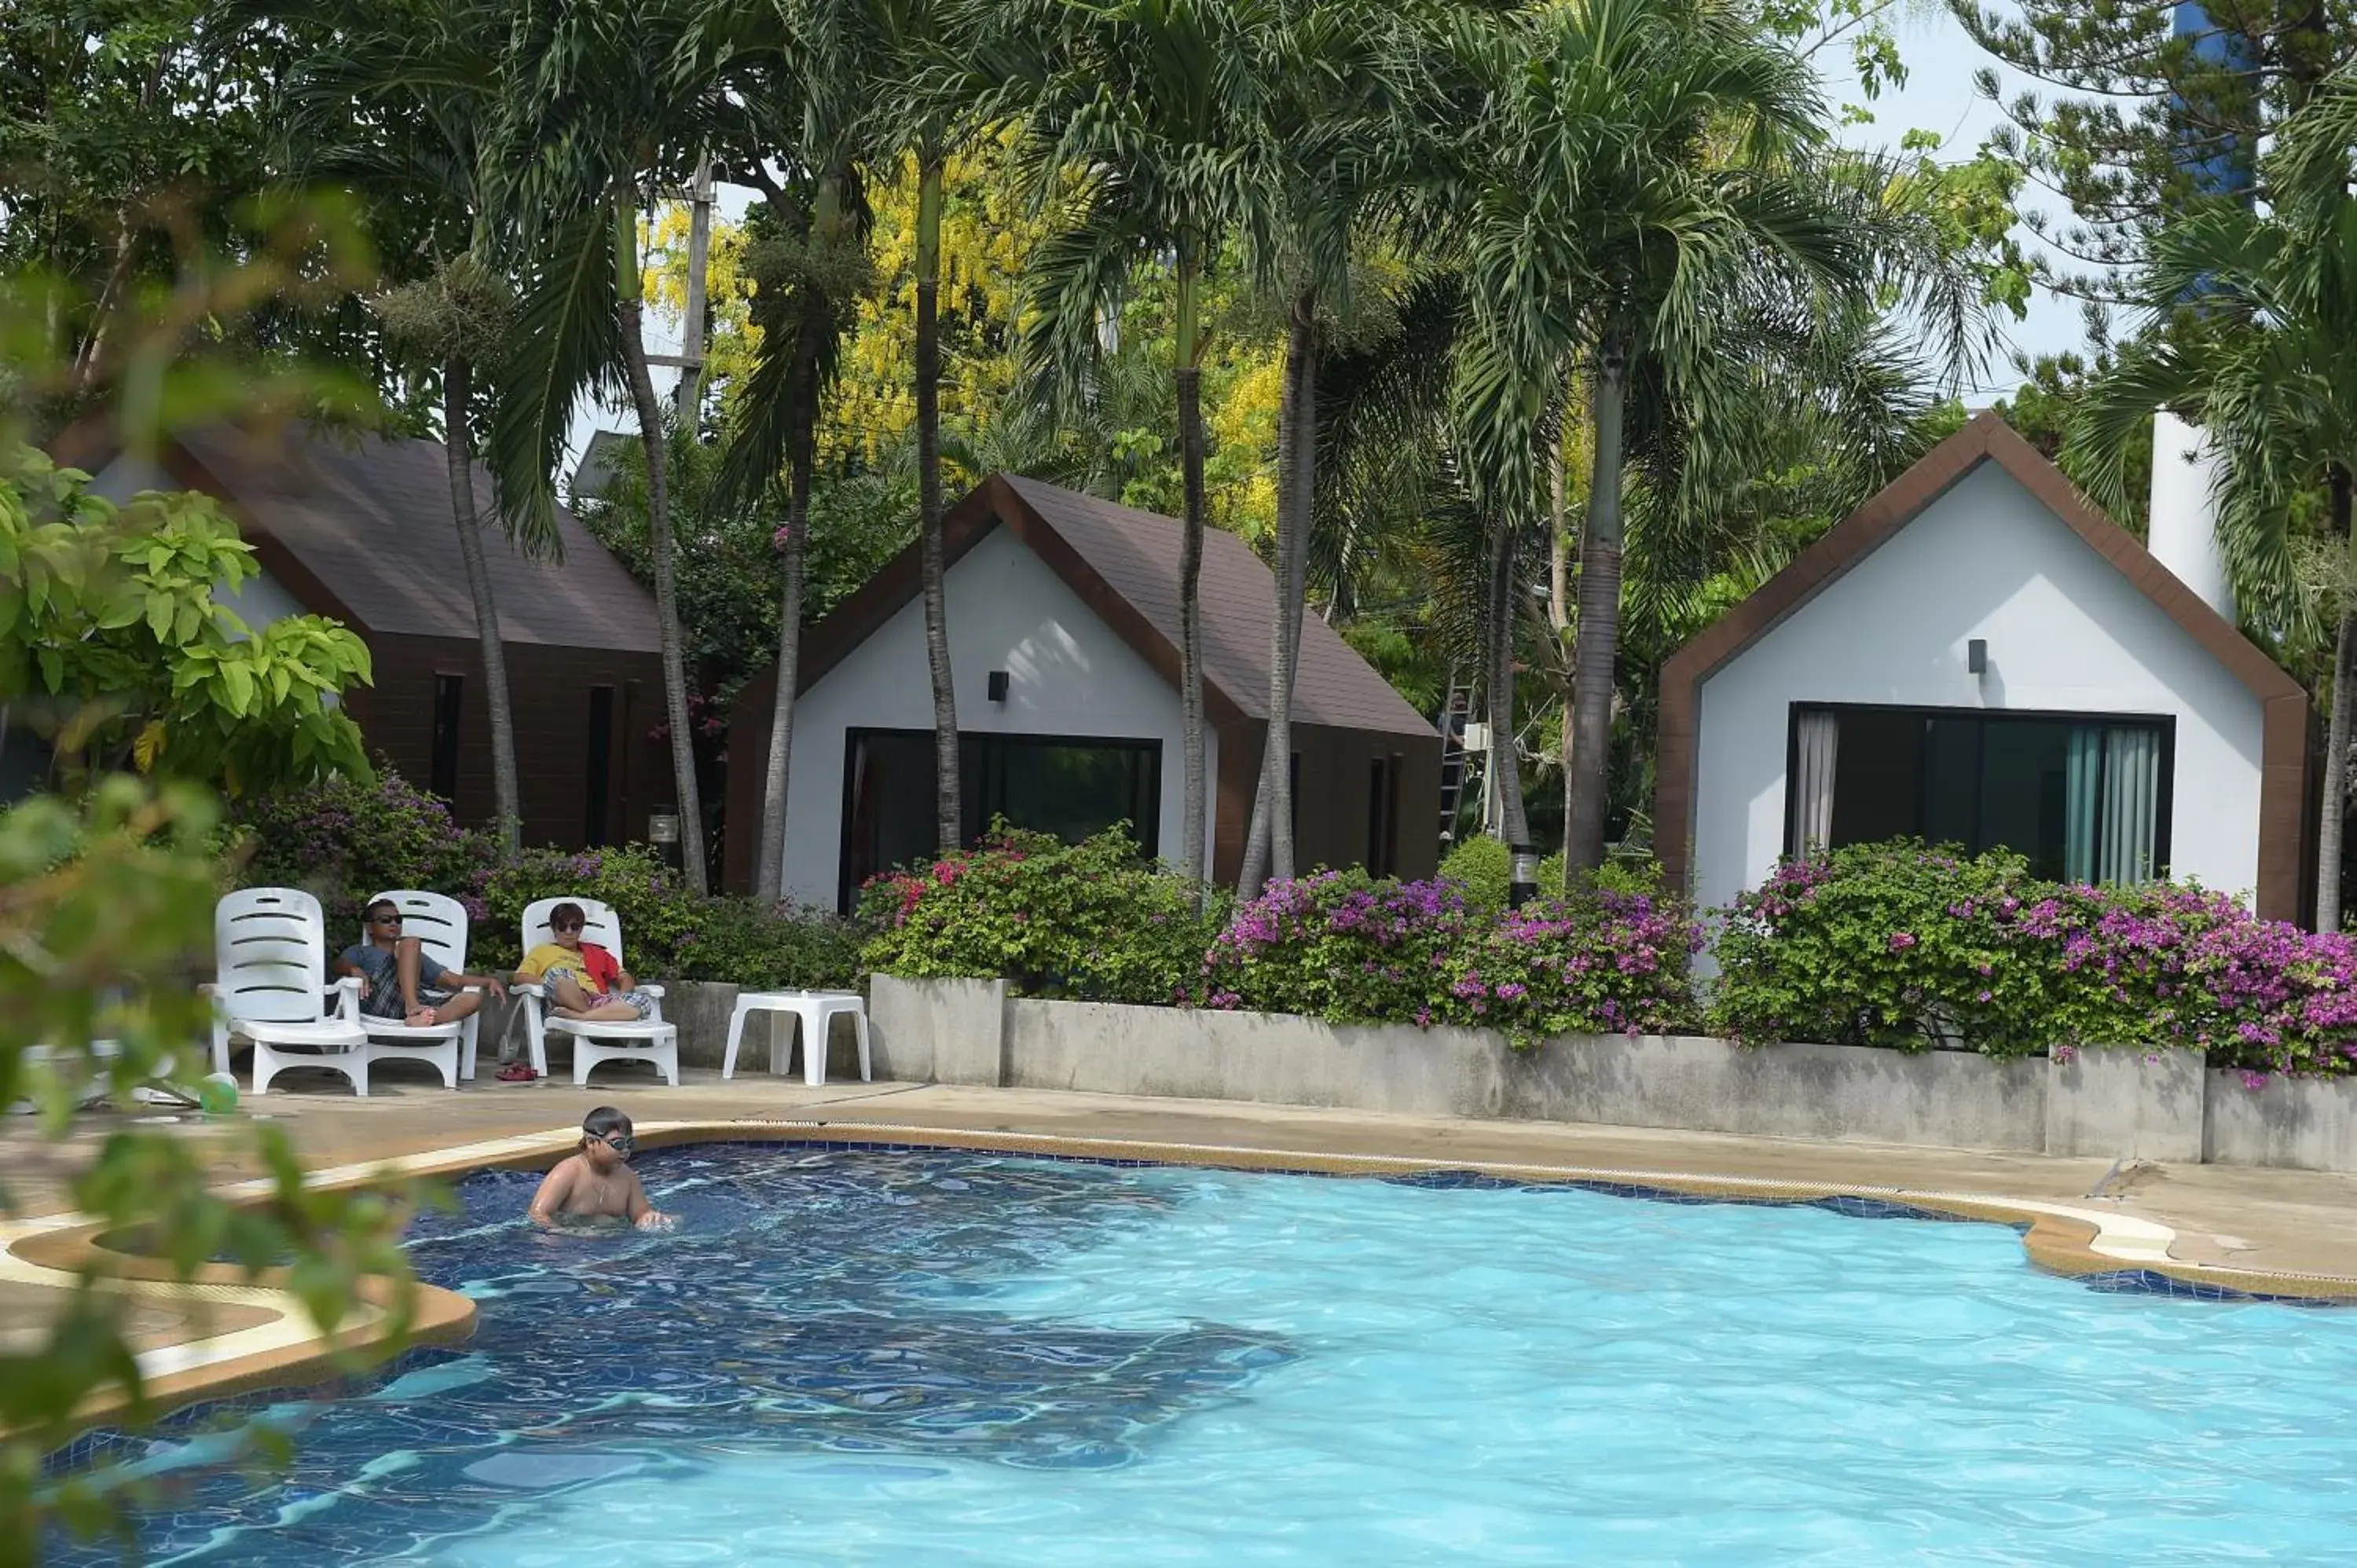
(396, 100)
(1344, 126)
(922, 94)
(1142, 129)
(791, 62)
(1643, 173)
(600, 116)
(2250, 320)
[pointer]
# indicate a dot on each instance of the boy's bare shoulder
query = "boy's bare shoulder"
(564, 1173)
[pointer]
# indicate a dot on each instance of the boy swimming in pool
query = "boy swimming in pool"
(596, 1182)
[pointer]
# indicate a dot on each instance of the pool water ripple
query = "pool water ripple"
(869, 1356)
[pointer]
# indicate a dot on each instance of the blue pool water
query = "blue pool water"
(851, 1356)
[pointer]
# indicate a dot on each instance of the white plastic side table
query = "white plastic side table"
(816, 1010)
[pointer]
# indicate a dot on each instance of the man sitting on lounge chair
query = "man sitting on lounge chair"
(400, 983)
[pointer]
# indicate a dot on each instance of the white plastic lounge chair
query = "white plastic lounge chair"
(270, 953)
(439, 923)
(647, 1039)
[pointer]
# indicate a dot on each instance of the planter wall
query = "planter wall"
(2108, 1104)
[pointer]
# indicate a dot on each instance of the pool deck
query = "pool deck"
(2237, 1226)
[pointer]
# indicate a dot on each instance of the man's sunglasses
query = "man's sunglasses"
(567, 926)
(388, 919)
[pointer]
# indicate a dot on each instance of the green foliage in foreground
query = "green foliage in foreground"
(113, 643)
(105, 918)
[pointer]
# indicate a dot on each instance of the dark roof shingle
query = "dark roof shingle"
(1136, 554)
(370, 519)
(1123, 563)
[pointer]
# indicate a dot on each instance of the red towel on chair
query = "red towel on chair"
(603, 966)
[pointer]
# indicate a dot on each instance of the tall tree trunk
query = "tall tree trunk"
(1269, 849)
(1303, 481)
(1190, 567)
(651, 440)
(458, 446)
(1597, 646)
(1559, 619)
(770, 870)
(933, 549)
(1505, 765)
(801, 462)
(2330, 829)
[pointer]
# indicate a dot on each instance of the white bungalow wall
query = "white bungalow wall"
(2065, 632)
(258, 601)
(1067, 674)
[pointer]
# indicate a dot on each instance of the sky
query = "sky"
(1941, 59)
(1937, 96)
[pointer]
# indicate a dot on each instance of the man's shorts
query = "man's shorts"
(384, 1001)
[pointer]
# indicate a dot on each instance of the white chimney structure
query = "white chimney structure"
(2184, 533)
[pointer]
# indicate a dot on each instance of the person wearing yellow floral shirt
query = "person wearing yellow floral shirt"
(581, 979)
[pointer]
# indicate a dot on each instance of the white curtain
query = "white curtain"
(1816, 742)
(2082, 801)
(2131, 804)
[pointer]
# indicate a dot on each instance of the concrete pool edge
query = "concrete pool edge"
(287, 1352)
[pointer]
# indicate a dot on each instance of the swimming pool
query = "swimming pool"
(854, 1355)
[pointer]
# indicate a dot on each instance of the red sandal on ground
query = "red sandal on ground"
(517, 1072)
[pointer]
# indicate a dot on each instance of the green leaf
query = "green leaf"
(237, 683)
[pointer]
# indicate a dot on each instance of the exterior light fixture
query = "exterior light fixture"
(999, 685)
(1522, 880)
(1977, 656)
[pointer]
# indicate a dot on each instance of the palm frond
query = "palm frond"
(566, 343)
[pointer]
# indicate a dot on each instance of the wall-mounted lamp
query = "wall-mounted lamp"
(1977, 656)
(999, 685)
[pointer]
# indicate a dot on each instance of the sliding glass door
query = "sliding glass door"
(2084, 797)
(1070, 786)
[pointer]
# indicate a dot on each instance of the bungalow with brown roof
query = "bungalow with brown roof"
(1977, 656)
(1063, 622)
(360, 528)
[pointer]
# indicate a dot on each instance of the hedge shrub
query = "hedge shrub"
(1354, 949)
(1906, 946)
(344, 842)
(1096, 921)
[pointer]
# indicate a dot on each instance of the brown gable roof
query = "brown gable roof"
(1123, 563)
(362, 525)
(2283, 789)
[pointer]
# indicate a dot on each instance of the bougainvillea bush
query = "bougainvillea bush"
(1904, 946)
(1341, 945)
(345, 841)
(1349, 947)
(1095, 921)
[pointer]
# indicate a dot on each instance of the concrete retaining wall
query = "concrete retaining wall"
(2107, 1104)
(2307, 1125)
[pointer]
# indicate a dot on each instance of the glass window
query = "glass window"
(442, 773)
(1071, 786)
(2084, 797)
